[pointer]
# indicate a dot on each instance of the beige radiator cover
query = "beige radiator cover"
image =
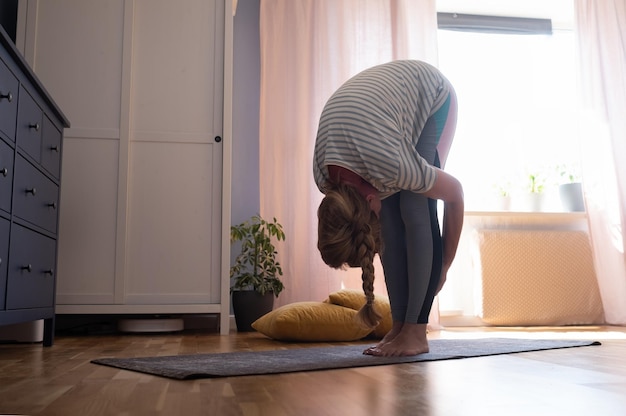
(538, 277)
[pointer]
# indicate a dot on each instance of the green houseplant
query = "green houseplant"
(536, 183)
(255, 274)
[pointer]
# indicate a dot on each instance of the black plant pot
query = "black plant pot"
(249, 306)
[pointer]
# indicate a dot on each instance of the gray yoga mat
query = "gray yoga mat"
(321, 358)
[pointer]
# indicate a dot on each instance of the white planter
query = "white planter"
(532, 202)
(503, 203)
(571, 195)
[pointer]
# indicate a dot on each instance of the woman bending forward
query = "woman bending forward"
(382, 142)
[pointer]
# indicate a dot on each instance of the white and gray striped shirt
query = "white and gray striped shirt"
(372, 123)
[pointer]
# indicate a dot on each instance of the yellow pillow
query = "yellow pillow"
(310, 321)
(355, 299)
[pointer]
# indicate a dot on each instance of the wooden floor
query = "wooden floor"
(61, 380)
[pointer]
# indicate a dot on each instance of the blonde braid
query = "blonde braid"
(368, 317)
(349, 234)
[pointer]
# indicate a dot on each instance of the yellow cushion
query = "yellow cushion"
(310, 321)
(355, 299)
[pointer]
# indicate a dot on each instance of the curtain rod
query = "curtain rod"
(494, 24)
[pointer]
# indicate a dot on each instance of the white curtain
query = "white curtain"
(601, 31)
(308, 49)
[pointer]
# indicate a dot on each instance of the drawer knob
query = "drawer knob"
(49, 271)
(35, 126)
(31, 191)
(8, 96)
(55, 148)
(28, 268)
(4, 172)
(52, 205)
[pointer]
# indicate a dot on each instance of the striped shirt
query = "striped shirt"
(372, 123)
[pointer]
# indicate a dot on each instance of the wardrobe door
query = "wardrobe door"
(142, 82)
(174, 198)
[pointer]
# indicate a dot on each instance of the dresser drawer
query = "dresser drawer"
(8, 101)
(35, 197)
(51, 148)
(32, 268)
(6, 176)
(29, 125)
(4, 258)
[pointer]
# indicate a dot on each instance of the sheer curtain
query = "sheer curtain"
(308, 49)
(601, 29)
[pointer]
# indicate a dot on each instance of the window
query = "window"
(517, 111)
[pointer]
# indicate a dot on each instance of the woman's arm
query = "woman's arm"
(450, 191)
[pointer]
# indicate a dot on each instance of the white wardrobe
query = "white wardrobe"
(144, 215)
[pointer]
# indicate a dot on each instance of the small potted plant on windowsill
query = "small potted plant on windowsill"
(256, 273)
(570, 189)
(535, 186)
(503, 195)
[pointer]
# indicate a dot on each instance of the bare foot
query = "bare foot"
(411, 340)
(395, 330)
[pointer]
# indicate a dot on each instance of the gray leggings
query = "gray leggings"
(412, 244)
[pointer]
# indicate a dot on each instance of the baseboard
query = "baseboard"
(460, 321)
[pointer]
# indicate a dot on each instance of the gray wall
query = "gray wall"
(246, 90)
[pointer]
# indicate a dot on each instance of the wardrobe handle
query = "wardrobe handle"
(52, 205)
(4, 172)
(49, 271)
(35, 126)
(28, 268)
(8, 96)
(32, 191)
(55, 148)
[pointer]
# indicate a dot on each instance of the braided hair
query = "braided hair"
(349, 234)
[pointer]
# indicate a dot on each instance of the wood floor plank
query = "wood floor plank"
(61, 380)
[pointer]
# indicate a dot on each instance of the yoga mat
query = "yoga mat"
(231, 364)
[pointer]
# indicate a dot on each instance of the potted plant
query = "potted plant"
(255, 274)
(503, 195)
(570, 189)
(535, 183)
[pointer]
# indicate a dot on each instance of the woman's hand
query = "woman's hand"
(449, 189)
(442, 281)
